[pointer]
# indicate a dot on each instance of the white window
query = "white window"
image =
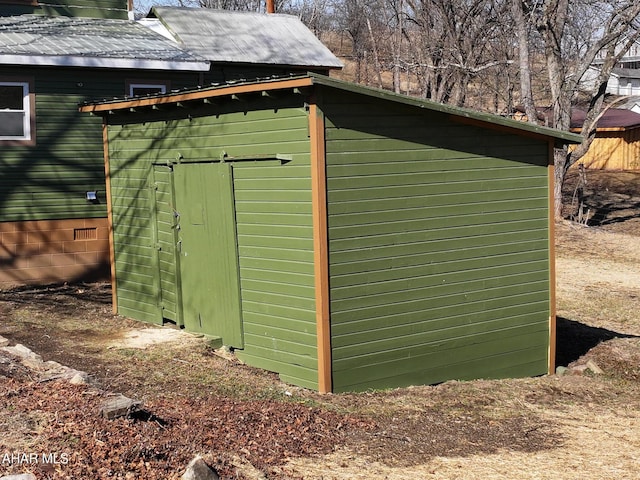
(15, 111)
(136, 89)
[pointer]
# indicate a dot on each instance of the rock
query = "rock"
(246, 470)
(581, 369)
(199, 470)
(119, 406)
(3, 341)
(577, 370)
(50, 370)
(53, 365)
(21, 476)
(34, 364)
(79, 378)
(593, 366)
(27, 357)
(25, 352)
(560, 371)
(22, 352)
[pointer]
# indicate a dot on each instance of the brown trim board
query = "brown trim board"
(112, 254)
(199, 95)
(320, 244)
(552, 263)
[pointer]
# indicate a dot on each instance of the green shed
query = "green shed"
(345, 237)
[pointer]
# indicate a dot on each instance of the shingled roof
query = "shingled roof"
(90, 42)
(246, 37)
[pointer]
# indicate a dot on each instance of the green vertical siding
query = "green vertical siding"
(438, 247)
(49, 180)
(266, 142)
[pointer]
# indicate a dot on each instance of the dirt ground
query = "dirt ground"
(249, 425)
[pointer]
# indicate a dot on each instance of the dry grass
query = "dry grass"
(598, 277)
(592, 422)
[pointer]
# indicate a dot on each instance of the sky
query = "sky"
(143, 6)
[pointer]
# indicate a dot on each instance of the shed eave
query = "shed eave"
(103, 62)
(202, 94)
(309, 79)
(563, 137)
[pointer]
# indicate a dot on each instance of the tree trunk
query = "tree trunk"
(375, 53)
(397, 48)
(560, 170)
(522, 33)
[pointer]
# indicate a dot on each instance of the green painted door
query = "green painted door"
(166, 222)
(208, 251)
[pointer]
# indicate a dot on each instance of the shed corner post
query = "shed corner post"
(320, 242)
(552, 262)
(107, 174)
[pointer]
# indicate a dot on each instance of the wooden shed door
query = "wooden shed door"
(208, 251)
(166, 223)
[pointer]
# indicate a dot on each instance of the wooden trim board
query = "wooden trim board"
(199, 95)
(320, 244)
(552, 263)
(112, 254)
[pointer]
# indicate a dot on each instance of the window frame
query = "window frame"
(29, 109)
(132, 84)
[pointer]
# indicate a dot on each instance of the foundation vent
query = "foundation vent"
(85, 233)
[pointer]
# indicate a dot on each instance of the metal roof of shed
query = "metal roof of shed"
(238, 88)
(246, 37)
(90, 42)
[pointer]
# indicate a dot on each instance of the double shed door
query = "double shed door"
(204, 290)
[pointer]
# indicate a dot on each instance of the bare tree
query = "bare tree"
(143, 6)
(246, 5)
(452, 43)
(461, 51)
(360, 21)
(522, 31)
(315, 14)
(572, 34)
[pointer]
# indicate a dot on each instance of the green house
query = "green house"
(55, 54)
(345, 237)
